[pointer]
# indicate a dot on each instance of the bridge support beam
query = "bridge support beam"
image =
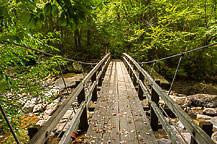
(83, 126)
(140, 91)
(207, 127)
(100, 79)
(81, 96)
(94, 97)
(154, 118)
(133, 76)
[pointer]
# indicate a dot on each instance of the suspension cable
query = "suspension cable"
(64, 81)
(62, 76)
(48, 54)
(152, 68)
(9, 125)
(177, 68)
(179, 54)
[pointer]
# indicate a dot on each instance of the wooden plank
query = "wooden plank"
(144, 133)
(114, 114)
(127, 126)
(95, 130)
(111, 123)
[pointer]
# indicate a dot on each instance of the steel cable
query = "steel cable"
(9, 125)
(45, 53)
(179, 54)
(177, 68)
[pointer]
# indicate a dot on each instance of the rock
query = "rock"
(30, 104)
(182, 101)
(61, 125)
(44, 116)
(164, 141)
(50, 109)
(203, 100)
(214, 137)
(38, 108)
(70, 82)
(196, 108)
(51, 92)
(41, 122)
(210, 111)
(205, 117)
(186, 136)
(214, 121)
(180, 125)
(182, 95)
(68, 113)
(77, 67)
(161, 102)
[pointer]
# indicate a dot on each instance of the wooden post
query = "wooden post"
(100, 79)
(81, 96)
(140, 91)
(133, 76)
(76, 83)
(94, 97)
(207, 127)
(154, 118)
(32, 130)
(83, 126)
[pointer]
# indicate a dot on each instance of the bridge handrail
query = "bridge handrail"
(196, 132)
(41, 136)
(172, 135)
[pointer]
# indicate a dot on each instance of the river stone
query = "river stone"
(41, 122)
(70, 82)
(182, 101)
(205, 117)
(68, 114)
(214, 137)
(164, 141)
(186, 136)
(210, 111)
(203, 100)
(30, 104)
(214, 121)
(50, 109)
(77, 66)
(180, 125)
(38, 108)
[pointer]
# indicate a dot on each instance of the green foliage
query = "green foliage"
(153, 29)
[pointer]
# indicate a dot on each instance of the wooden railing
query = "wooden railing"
(80, 119)
(138, 75)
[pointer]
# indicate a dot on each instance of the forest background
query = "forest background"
(87, 29)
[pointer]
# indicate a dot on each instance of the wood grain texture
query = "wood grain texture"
(119, 115)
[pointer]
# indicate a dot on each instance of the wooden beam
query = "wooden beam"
(66, 138)
(154, 118)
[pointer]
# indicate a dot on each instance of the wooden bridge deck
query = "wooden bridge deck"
(119, 116)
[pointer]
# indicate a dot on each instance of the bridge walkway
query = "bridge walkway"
(119, 116)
